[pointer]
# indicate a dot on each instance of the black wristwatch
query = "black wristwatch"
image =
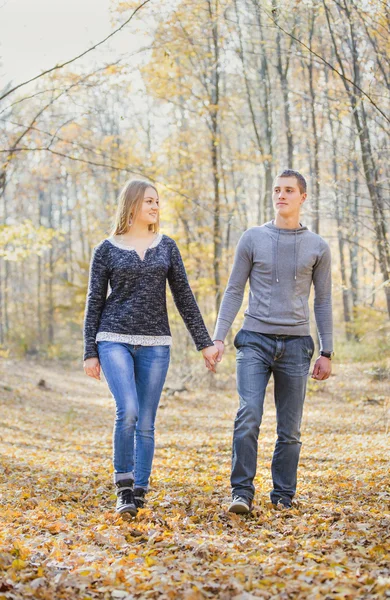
(327, 354)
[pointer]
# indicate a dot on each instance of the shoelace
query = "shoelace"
(239, 499)
(139, 497)
(126, 495)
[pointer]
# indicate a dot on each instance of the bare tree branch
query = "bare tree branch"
(68, 62)
(56, 89)
(328, 64)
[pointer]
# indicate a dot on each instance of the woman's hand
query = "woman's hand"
(92, 367)
(210, 355)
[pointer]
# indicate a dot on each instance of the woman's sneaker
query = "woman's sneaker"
(125, 502)
(139, 497)
(240, 505)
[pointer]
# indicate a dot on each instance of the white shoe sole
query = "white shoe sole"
(239, 508)
(127, 510)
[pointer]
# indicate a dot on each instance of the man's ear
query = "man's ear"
(303, 198)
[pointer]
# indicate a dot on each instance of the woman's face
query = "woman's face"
(149, 208)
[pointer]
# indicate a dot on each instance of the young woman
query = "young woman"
(127, 333)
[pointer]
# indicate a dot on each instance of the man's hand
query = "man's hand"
(322, 368)
(92, 367)
(221, 348)
(210, 356)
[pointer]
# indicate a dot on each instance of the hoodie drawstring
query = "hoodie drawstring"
(277, 257)
(295, 255)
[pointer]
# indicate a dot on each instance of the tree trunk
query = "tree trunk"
(283, 71)
(264, 86)
(368, 160)
(339, 203)
(214, 142)
(316, 173)
(50, 277)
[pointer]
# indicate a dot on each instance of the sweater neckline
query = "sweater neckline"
(271, 225)
(155, 243)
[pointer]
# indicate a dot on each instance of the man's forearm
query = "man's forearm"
(234, 294)
(322, 278)
(324, 321)
(231, 304)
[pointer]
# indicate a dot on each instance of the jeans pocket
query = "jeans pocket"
(308, 347)
(238, 340)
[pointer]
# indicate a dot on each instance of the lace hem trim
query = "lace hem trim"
(138, 340)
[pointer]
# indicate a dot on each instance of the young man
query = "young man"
(281, 259)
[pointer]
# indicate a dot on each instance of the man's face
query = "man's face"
(286, 196)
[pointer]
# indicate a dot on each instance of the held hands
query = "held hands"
(92, 367)
(322, 368)
(213, 355)
(210, 357)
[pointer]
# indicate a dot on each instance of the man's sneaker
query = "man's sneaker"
(240, 505)
(125, 497)
(139, 497)
(283, 503)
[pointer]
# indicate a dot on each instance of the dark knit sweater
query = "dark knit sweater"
(136, 305)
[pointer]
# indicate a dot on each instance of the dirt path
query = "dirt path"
(60, 538)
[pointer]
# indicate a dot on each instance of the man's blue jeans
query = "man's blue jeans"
(135, 376)
(288, 358)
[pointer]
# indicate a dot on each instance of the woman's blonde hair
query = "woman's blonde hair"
(129, 204)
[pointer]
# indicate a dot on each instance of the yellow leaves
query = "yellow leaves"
(56, 527)
(71, 132)
(150, 561)
(71, 515)
(18, 242)
(127, 6)
(131, 556)
(112, 70)
(57, 553)
(18, 564)
(379, 550)
(184, 544)
(208, 488)
(313, 556)
(21, 553)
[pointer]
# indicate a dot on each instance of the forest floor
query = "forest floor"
(60, 536)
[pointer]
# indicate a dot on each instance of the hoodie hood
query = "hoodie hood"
(276, 233)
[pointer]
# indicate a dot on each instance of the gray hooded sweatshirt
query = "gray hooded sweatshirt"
(281, 265)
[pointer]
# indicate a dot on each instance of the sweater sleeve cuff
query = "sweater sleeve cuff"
(326, 343)
(91, 353)
(205, 343)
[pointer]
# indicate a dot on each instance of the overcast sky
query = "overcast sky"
(37, 34)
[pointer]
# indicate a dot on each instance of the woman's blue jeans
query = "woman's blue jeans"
(288, 358)
(135, 376)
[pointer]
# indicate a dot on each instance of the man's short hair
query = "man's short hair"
(300, 178)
